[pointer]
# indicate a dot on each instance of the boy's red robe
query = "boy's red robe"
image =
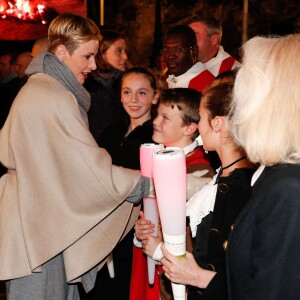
(139, 287)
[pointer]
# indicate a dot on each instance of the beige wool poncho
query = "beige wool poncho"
(61, 194)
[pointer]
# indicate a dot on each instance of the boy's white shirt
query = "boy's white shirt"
(199, 140)
(191, 147)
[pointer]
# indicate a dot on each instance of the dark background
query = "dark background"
(144, 22)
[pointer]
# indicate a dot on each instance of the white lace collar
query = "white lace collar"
(201, 204)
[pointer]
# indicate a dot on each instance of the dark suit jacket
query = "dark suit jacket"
(264, 249)
(8, 93)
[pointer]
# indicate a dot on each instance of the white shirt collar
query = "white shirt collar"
(190, 147)
(257, 174)
(184, 79)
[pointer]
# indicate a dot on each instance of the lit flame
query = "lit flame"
(40, 8)
(22, 9)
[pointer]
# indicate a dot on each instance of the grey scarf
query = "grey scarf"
(46, 62)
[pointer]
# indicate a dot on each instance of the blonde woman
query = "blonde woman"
(263, 252)
(62, 203)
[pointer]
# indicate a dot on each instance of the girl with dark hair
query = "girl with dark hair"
(103, 85)
(213, 210)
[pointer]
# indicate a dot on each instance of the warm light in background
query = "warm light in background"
(29, 19)
(22, 9)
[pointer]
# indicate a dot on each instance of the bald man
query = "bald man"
(39, 45)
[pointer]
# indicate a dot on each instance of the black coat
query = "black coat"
(264, 248)
(213, 232)
(125, 151)
(106, 107)
(8, 93)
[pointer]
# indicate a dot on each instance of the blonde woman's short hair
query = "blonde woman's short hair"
(265, 115)
(71, 30)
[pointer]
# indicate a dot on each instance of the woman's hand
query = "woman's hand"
(143, 228)
(185, 270)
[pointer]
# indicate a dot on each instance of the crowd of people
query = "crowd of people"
(74, 113)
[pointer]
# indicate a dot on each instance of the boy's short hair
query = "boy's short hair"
(186, 100)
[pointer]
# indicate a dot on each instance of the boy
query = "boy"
(175, 126)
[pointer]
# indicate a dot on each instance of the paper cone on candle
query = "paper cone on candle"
(110, 266)
(150, 204)
(169, 174)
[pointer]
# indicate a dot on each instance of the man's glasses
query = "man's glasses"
(178, 50)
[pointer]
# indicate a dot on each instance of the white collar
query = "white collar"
(196, 69)
(257, 173)
(201, 204)
(190, 147)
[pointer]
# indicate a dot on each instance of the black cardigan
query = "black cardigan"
(125, 150)
(212, 233)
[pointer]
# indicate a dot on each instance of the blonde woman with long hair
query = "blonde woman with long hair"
(263, 252)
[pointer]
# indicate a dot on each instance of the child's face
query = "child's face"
(137, 97)
(168, 127)
(116, 55)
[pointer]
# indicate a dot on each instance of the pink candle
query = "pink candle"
(169, 173)
(146, 158)
(150, 204)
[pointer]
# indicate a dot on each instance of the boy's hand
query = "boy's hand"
(151, 243)
(143, 228)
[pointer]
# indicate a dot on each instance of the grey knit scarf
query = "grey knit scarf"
(46, 62)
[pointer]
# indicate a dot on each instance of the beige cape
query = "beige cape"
(63, 193)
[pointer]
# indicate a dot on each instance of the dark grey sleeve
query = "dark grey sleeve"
(140, 191)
